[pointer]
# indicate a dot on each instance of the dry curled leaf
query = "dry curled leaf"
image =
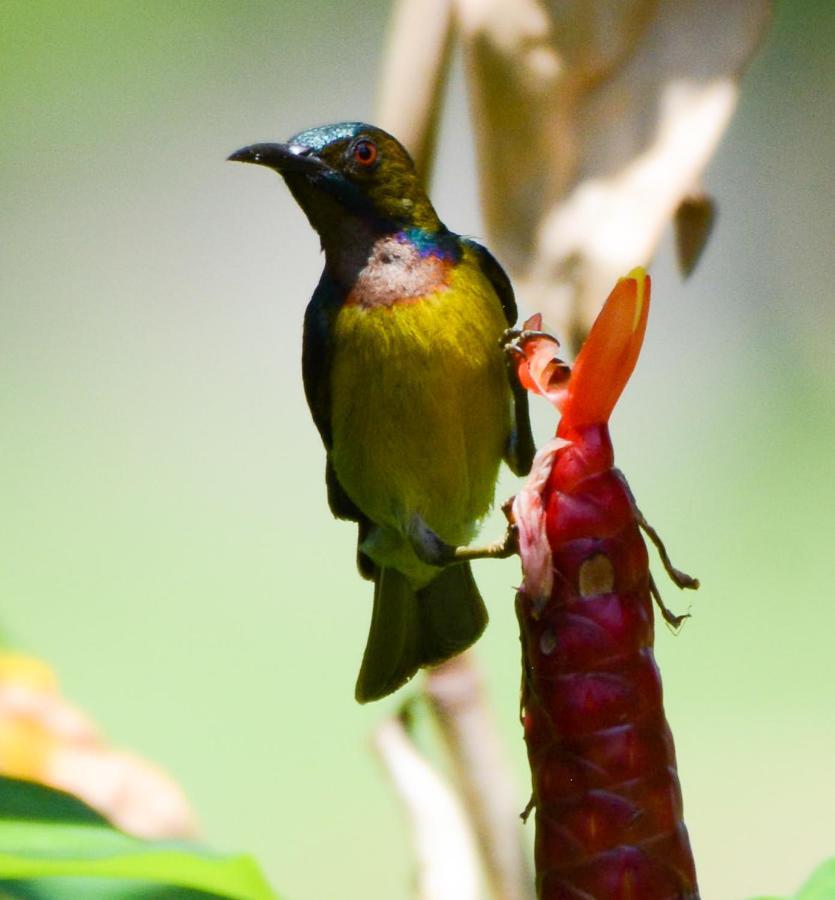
(593, 121)
(693, 223)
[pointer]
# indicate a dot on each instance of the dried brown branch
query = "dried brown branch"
(414, 75)
(446, 852)
(458, 697)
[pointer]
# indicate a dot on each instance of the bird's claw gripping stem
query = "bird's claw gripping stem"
(532, 360)
(512, 343)
(434, 551)
(512, 339)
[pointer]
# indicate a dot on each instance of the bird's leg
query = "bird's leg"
(434, 551)
(428, 546)
(501, 549)
(520, 445)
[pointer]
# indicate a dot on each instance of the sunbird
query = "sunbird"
(407, 384)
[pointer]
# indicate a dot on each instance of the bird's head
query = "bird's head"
(346, 174)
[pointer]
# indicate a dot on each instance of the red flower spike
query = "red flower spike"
(607, 798)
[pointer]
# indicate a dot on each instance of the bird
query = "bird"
(407, 384)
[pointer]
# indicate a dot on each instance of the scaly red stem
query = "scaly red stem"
(608, 805)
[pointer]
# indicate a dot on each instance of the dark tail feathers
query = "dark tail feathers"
(412, 629)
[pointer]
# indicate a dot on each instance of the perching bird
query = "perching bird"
(407, 384)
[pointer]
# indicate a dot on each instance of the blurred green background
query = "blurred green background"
(164, 537)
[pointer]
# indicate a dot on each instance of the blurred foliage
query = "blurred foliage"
(52, 845)
(46, 739)
(820, 886)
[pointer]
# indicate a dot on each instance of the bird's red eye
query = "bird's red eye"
(365, 153)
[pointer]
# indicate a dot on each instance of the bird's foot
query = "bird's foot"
(429, 547)
(531, 357)
(434, 551)
(513, 340)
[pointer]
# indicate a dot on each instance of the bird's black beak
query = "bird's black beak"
(284, 158)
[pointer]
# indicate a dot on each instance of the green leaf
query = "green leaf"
(30, 801)
(95, 889)
(821, 886)
(52, 846)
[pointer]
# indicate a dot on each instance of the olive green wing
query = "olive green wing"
(520, 448)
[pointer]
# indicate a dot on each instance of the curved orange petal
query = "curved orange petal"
(609, 354)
